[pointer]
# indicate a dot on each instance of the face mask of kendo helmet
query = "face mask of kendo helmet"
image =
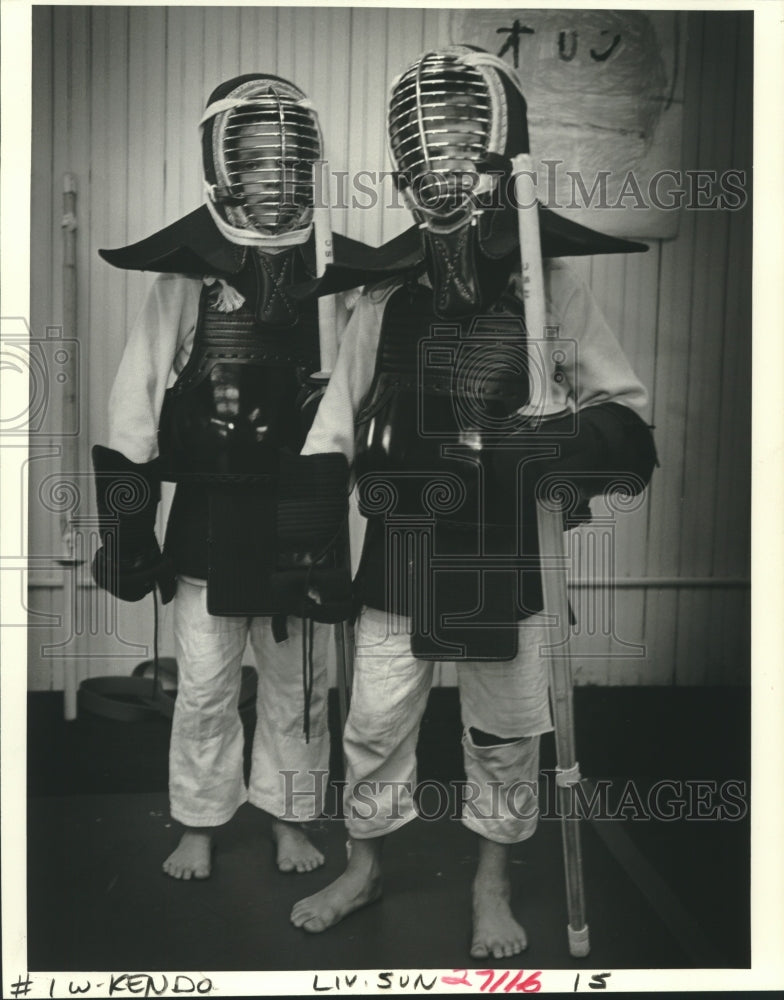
(260, 141)
(456, 118)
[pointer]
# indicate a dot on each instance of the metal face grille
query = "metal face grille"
(439, 127)
(267, 153)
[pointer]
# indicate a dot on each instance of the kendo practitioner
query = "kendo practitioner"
(451, 412)
(214, 392)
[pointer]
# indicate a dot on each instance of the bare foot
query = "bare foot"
(295, 851)
(496, 932)
(192, 857)
(359, 885)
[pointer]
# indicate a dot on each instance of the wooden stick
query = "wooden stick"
(556, 606)
(325, 255)
(530, 254)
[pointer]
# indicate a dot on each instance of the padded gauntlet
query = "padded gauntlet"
(313, 576)
(129, 563)
(606, 446)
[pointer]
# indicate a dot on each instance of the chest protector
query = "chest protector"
(243, 395)
(239, 398)
(448, 543)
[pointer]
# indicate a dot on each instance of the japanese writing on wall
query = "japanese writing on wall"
(604, 96)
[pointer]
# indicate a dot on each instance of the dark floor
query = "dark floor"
(659, 894)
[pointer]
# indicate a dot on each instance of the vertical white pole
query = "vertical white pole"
(69, 457)
(550, 526)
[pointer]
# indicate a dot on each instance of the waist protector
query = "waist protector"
(448, 544)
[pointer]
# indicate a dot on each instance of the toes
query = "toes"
(497, 949)
(300, 912)
(502, 949)
(298, 919)
(184, 872)
(314, 925)
(304, 864)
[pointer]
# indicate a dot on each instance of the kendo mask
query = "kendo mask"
(261, 143)
(456, 118)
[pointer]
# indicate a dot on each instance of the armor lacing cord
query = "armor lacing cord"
(308, 627)
(155, 662)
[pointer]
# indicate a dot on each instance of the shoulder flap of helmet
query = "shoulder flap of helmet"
(356, 264)
(191, 245)
(560, 237)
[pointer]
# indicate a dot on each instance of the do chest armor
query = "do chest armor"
(447, 543)
(241, 396)
(442, 391)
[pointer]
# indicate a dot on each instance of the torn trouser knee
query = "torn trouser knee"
(500, 797)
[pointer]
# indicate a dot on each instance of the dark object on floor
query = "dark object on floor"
(150, 690)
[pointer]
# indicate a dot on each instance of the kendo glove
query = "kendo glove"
(598, 448)
(313, 575)
(129, 563)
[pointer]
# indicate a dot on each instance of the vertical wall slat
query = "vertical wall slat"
(258, 52)
(399, 55)
(146, 119)
(286, 42)
(187, 92)
(670, 390)
(43, 223)
(707, 305)
(705, 334)
(731, 514)
(331, 97)
(368, 96)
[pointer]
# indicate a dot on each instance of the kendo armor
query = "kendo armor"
(240, 397)
(237, 416)
(451, 539)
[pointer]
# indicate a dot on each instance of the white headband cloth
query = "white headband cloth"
(472, 59)
(229, 103)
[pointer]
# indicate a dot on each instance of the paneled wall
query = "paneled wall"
(116, 95)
